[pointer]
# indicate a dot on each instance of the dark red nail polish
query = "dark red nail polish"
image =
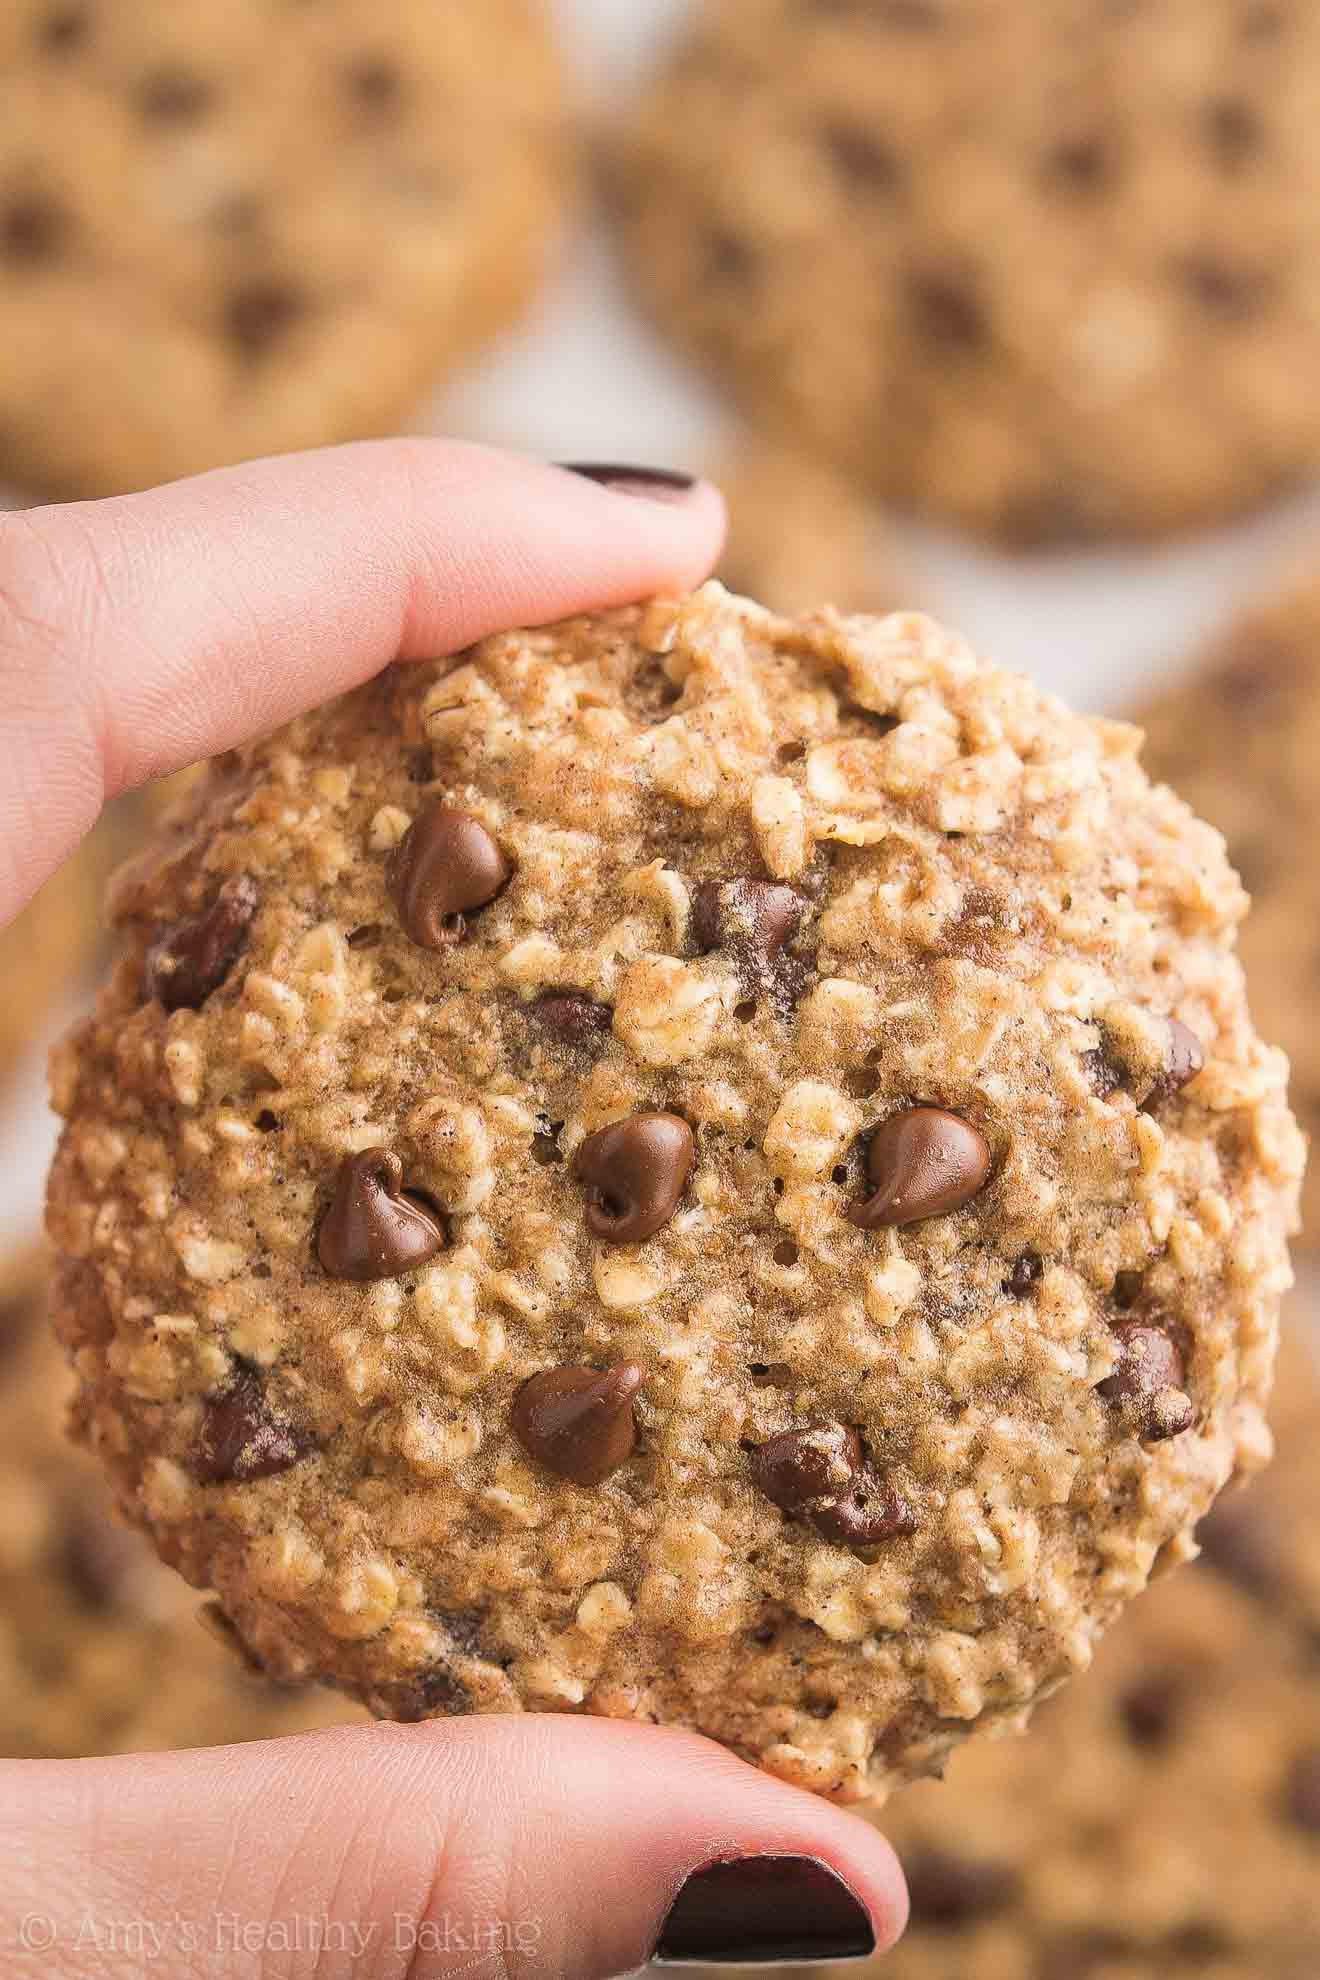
(760, 1910)
(651, 484)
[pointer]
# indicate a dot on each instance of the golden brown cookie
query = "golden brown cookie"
(101, 1651)
(258, 227)
(688, 1165)
(1161, 1819)
(1238, 737)
(1044, 269)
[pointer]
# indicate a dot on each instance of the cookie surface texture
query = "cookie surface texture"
(270, 227)
(712, 1169)
(1039, 269)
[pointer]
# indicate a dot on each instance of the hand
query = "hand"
(137, 636)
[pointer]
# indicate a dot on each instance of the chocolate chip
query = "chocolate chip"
(432, 1694)
(635, 1171)
(752, 921)
(1147, 1383)
(1229, 292)
(1102, 1073)
(1080, 164)
(575, 1020)
(1183, 1060)
(579, 1422)
(947, 311)
(260, 314)
(728, 257)
(197, 955)
(99, 1560)
(1025, 1274)
(446, 865)
(1150, 1708)
(1240, 1541)
(34, 230)
(949, 1889)
(64, 29)
(1128, 1287)
(174, 96)
(1233, 129)
(1302, 1794)
(923, 1163)
(862, 158)
(241, 1439)
(821, 1473)
(374, 84)
(772, 1374)
(374, 1228)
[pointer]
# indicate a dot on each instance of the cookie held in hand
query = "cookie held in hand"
(692, 1199)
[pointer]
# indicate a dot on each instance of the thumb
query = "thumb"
(495, 1849)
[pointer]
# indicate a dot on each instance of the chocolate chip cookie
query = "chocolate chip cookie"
(1238, 739)
(1161, 1820)
(100, 1649)
(687, 1165)
(799, 535)
(1041, 269)
(268, 227)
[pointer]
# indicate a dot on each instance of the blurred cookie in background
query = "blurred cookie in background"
(1239, 738)
(799, 536)
(1044, 270)
(1161, 1818)
(101, 1649)
(245, 228)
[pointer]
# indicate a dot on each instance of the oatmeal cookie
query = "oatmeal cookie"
(686, 1165)
(100, 1648)
(259, 227)
(1045, 270)
(799, 535)
(1238, 738)
(1160, 1821)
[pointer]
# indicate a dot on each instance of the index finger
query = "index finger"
(142, 633)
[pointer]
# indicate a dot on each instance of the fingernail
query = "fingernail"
(651, 484)
(764, 1910)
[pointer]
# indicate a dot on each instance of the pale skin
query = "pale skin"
(136, 636)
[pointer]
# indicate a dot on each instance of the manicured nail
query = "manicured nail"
(764, 1911)
(652, 484)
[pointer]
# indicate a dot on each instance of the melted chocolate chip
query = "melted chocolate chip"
(374, 1228)
(635, 1171)
(1102, 1073)
(196, 956)
(575, 1020)
(1302, 1794)
(174, 96)
(446, 866)
(579, 1422)
(34, 230)
(261, 313)
(862, 157)
(946, 311)
(949, 1889)
(1147, 1383)
(1183, 1060)
(821, 1473)
(1151, 1707)
(922, 1163)
(1026, 1273)
(241, 1439)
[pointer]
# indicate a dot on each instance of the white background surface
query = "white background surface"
(586, 379)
